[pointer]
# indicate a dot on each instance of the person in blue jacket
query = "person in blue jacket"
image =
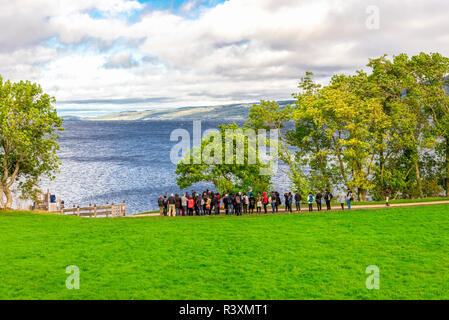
(310, 200)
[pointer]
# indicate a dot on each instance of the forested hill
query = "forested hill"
(223, 112)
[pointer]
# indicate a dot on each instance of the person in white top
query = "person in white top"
(342, 199)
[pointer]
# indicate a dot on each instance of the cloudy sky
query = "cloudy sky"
(98, 56)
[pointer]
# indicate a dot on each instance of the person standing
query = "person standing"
(197, 205)
(265, 202)
(160, 203)
(318, 199)
(216, 204)
(342, 199)
(208, 205)
(238, 204)
(171, 206)
(286, 202)
(165, 204)
(278, 200)
(349, 198)
(184, 204)
(190, 205)
(216, 201)
(203, 202)
(298, 199)
(273, 201)
(252, 203)
(225, 203)
(310, 200)
(328, 198)
(259, 203)
(245, 203)
(212, 203)
(231, 204)
(178, 205)
(290, 201)
(219, 204)
(387, 196)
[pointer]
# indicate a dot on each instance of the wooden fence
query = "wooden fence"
(93, 211)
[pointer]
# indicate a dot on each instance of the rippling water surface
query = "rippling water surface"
(115, 161)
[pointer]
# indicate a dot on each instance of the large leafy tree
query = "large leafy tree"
(336, 128)
(368, 131)
(399, 161)
(227, 176)
(432, 77)
(414, 97)
(312, 143)
(28, 139)
(269, 115)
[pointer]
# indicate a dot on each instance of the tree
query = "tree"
(342, 122)
(313, 143)
(432, 78)
(268, 115)
(28, 139)
(232, 164)
(414, 97)
(389, 128)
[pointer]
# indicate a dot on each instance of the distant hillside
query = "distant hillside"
(224, 112)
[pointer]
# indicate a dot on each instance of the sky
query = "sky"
(101, 56)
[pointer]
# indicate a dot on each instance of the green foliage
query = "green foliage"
(368, 132)
(269, 115)
(28, 138)
(227, 177)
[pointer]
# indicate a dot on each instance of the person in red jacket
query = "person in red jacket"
(265, 201)
(190, 205)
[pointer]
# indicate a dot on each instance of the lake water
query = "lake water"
(115, 161)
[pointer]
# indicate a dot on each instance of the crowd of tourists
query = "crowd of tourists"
(213, 203)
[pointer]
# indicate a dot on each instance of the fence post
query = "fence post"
(95, 210)
(78, 211)
(107, 210)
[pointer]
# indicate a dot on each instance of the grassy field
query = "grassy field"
(296, 256)
(398, 201)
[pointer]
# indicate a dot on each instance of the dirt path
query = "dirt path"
(335, 207)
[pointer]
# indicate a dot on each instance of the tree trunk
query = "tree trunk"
(382, 166)
(323, 168)
(362, 194)
(8, 194)
(418, 180)
(447, 166)
(2, 201)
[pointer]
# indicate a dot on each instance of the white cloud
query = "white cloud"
(240, 50)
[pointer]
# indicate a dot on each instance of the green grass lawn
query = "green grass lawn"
(296, 256)
(402, 201)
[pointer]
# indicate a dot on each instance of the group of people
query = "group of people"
(345, 197)
(213, 203)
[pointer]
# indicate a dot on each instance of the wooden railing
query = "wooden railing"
(93, 211)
